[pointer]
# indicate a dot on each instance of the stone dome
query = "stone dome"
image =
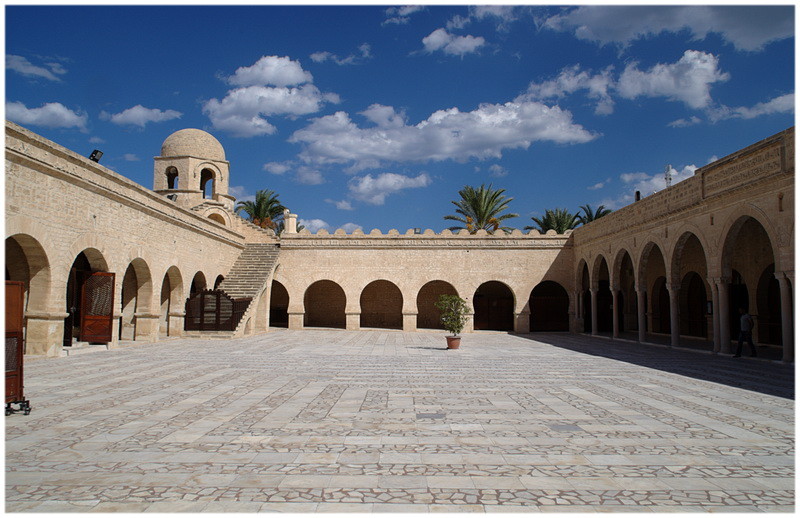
(193, 142)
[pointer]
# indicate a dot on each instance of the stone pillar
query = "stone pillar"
(469, 325)
(641, 313)
(724, 315)
(674, 291)
(409, 322)
(615, 312)
(176, 321)
(146, 327)
(593, 291)
(787, 316)
(296, 319)
(352, 320)
(44, 332)
(522, 321)
(715, 314)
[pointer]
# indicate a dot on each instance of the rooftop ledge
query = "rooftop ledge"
(410, 233)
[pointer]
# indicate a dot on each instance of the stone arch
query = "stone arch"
(652, 276)
(688, 244)
(549, 306)
(208, 174)
(87, 261)
(218, 281)
(324, 302)
(381, 305)
(26, 261)
(747, 251)
(625, 284)
(135, 296)
(601, 281)
(216, 217)
(768, 308)
(198, 283)
(428, 316)
(660, 310)
(689, 270)
(171, 302)
(278, 305)
(172, 175)
(584, 303)
(494, 304)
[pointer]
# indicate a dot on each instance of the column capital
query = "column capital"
(673, 287)
(784, 276)
(723, 279)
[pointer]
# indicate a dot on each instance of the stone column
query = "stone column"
(296, 319)
(593, 291)
(44, 332)
(146, 326)
(522, 321)
(641, 313)
(786, 316)
(289, 222)
(715, 314)
(469, 325)
(615, 312)
(724, 315)
(352, 320)
(674, 291)
(409, 322)
(176, 321)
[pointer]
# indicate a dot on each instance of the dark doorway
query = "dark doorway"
(494, 307)
(549, 306)
(81, 268)
(738, 297)
(278, 306)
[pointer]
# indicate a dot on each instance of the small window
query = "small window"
(172, 178)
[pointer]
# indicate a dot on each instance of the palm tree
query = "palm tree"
(559, 220)
(266, 210)
(481, 208)
(589, 215)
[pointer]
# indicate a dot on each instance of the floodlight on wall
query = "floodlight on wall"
(418, 231)
(95, 156)
(172, 197)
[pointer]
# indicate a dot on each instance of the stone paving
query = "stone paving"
(318, 420)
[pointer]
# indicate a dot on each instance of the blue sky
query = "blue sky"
(375, 116)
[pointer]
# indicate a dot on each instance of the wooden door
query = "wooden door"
(97, 307)
(15, 296)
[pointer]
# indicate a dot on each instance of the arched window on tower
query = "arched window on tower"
(207, 184)
(172, 177)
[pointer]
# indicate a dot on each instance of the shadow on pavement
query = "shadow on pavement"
(766, 377)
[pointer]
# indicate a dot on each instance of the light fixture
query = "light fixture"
(95, 156)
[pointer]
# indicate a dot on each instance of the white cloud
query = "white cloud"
(130, 157)
(446, 135)
(781, 104)
(688, 80)
(21, 65)
(313, 225)
(572, 79)
(364, 53)
(598, 185)
(401, 15)
(96, 140)
(50, 115)
(341, 205)
(242, 111)
(683, 123)
(374, 190)
(265, 91)
(277, 167)
(748, 28)
(451, 44)
(309, 176)
(458, 22)
(271, 70)
(351, 227)
(139, 116)
(497, 171)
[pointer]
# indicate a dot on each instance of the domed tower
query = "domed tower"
(192, 170)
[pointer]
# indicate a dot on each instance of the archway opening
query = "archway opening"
(626, 297)
(198, 284)
(216, 217)
(549, 306)
(769, 308)
(738, 297)
(172, 177)
(27, 262)
(278, 305)
(324, 303)
(693, 306)
(382, 305)
(428, 315)
(170, 300)
(605, 300)
(661, 310)
(653, 274)
(207, 183)
(494, 307)
(85, 264)
(218, 281)
(586, 299)
(136, 290)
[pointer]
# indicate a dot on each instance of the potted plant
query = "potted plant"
(454, 317)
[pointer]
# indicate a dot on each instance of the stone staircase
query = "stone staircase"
(250, 272)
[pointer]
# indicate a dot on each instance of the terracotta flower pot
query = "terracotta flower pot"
(453, 342)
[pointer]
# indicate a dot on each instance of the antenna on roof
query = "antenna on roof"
(668, 175)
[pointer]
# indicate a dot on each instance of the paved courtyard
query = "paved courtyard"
(315, 420)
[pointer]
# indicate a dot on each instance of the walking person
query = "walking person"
(745, 333)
